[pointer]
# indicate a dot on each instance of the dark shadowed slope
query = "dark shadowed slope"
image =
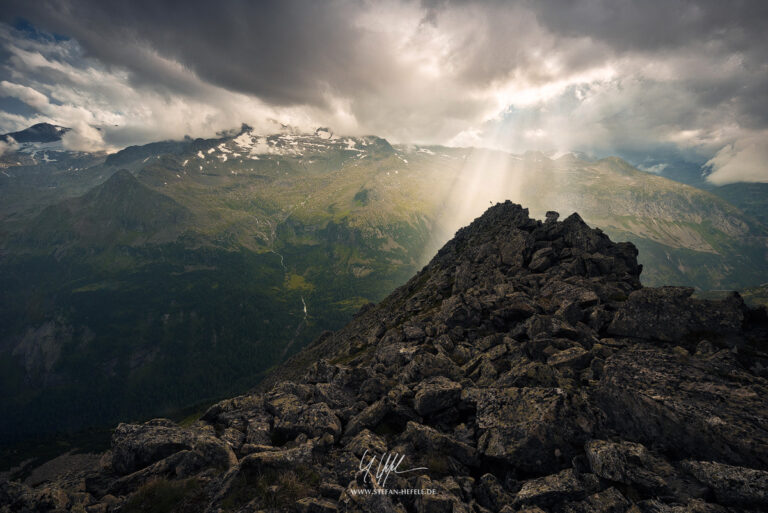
(39, 133)
(120, 211)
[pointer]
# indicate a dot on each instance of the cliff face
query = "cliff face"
(524, 369)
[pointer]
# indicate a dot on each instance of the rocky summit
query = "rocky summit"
(524, 369)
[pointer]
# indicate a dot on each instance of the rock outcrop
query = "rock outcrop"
(524, 369)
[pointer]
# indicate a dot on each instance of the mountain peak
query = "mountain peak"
(39, 133)
(324, 133)
(121, 210)
(121, 178)
(507, 230)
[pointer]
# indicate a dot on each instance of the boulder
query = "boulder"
(541, 260)
(286, 458)
(258, 429)
(316, 505)
(135, 446)
(607, 501)
(575, 357)
(562, 292)
(563, 486)
(426, 365)
(628, 463)
(429, 442)
(293, 417)
(440, 501)
(738, 486)
(369, 417)
(413, 332)
(364, 441)
(529, 428)
(331, 490)
(491, 494)
(435, 394)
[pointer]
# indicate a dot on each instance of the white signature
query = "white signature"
(388, 463)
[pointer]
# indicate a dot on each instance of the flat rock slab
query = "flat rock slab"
(529, 428)
(732, 485)
(670, 314)
(687, 405)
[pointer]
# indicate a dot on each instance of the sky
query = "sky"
(659, 82)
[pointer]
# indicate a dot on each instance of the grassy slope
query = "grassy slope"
(752, 198)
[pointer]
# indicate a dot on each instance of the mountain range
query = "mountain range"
(162, 276)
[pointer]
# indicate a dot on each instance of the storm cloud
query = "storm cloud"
(647, 80)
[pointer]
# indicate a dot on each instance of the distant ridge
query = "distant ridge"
(39, 133)
(117, 211)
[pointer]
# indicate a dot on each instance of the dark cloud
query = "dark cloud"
(285, 52)
(653, 25)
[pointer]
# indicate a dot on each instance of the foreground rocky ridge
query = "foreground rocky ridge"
(525, 368)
